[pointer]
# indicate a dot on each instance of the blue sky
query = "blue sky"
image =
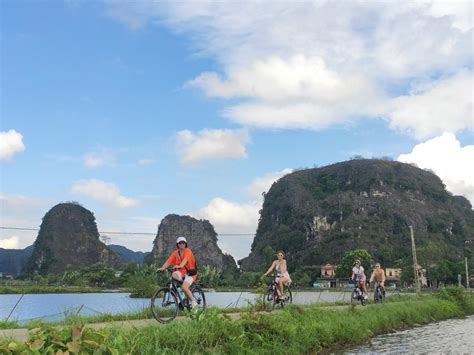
(141, 109)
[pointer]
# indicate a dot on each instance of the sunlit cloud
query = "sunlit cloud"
(453, 163)
(210, 144)
(9, 243)
(104, 192)
(11, 143)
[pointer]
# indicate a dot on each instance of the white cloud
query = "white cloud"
(11, 143)
(103, 192)
(451, 162)
(298, 92)
(211, 144)
(98, 159)
(9, 243)
(315, 64)
(445, 105)
(229, 217)
(263, 183)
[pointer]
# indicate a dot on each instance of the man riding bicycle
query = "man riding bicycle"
(182, 260)
(358, 275)
(378, 275)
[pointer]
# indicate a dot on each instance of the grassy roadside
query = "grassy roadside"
(298, 329)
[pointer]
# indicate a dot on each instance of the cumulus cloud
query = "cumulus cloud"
(297, 92)
(11, 143)
(234, 217)
(104, 192)
(211, 144)
(9, 243)
(437, 107)
(315, 64)
(240, 219)
(453, 163)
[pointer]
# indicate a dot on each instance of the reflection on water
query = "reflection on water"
(453, 336)
(52, 307)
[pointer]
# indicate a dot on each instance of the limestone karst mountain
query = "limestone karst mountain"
(68, 239)
(316, 215)
(201, 237)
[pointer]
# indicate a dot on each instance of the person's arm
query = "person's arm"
(372, 277)
(165, 265)
(183, 264)
(383, 277)
(270, 268)
(353, 274)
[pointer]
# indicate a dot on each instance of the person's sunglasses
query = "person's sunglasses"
(182, 243)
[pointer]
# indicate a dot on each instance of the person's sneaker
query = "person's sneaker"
(366, 297)
(194, 304)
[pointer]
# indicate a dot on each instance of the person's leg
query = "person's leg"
(186, 287)
(281, 284)
(177, 276)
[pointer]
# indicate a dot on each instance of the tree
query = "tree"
(345, 268)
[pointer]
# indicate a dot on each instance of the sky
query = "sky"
(140, 109)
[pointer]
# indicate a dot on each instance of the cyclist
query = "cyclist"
(283, 277)
(378, 275)
(359, 276)
(182, 260)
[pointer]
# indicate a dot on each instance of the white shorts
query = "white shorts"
(287, 275)
(187, 279)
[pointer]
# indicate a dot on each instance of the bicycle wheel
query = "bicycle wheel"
(164, 305)
(354, 297)
(199, 297)
(267, 298)
(288, 296)
(378, 295)
(277, 301)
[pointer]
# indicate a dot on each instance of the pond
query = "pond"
(53, 307)
(453, 336)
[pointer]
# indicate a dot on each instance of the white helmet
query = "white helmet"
(181, 239)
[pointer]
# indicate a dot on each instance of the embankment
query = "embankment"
(298, 329)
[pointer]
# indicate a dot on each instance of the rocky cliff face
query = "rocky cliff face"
(201, 237)
(68, 239)
(316, 215)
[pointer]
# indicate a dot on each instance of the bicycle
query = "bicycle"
(357, 295)
(379, 294)
(168, 300)
(271, 294)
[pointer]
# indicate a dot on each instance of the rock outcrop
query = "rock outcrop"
(316, 215)
(201, 237)
(68, 239)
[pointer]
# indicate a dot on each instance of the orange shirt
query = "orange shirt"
(175, 259)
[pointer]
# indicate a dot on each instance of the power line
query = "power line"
(127, 233)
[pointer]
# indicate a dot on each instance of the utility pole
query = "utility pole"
(467, 273)
(415, 262)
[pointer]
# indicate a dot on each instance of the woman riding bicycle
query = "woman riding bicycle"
(358, 275)
(184, 263)
(283, 277)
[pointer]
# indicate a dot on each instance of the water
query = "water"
(453, 336)
(53, 307)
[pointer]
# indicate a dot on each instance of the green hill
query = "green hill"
(316, 215)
